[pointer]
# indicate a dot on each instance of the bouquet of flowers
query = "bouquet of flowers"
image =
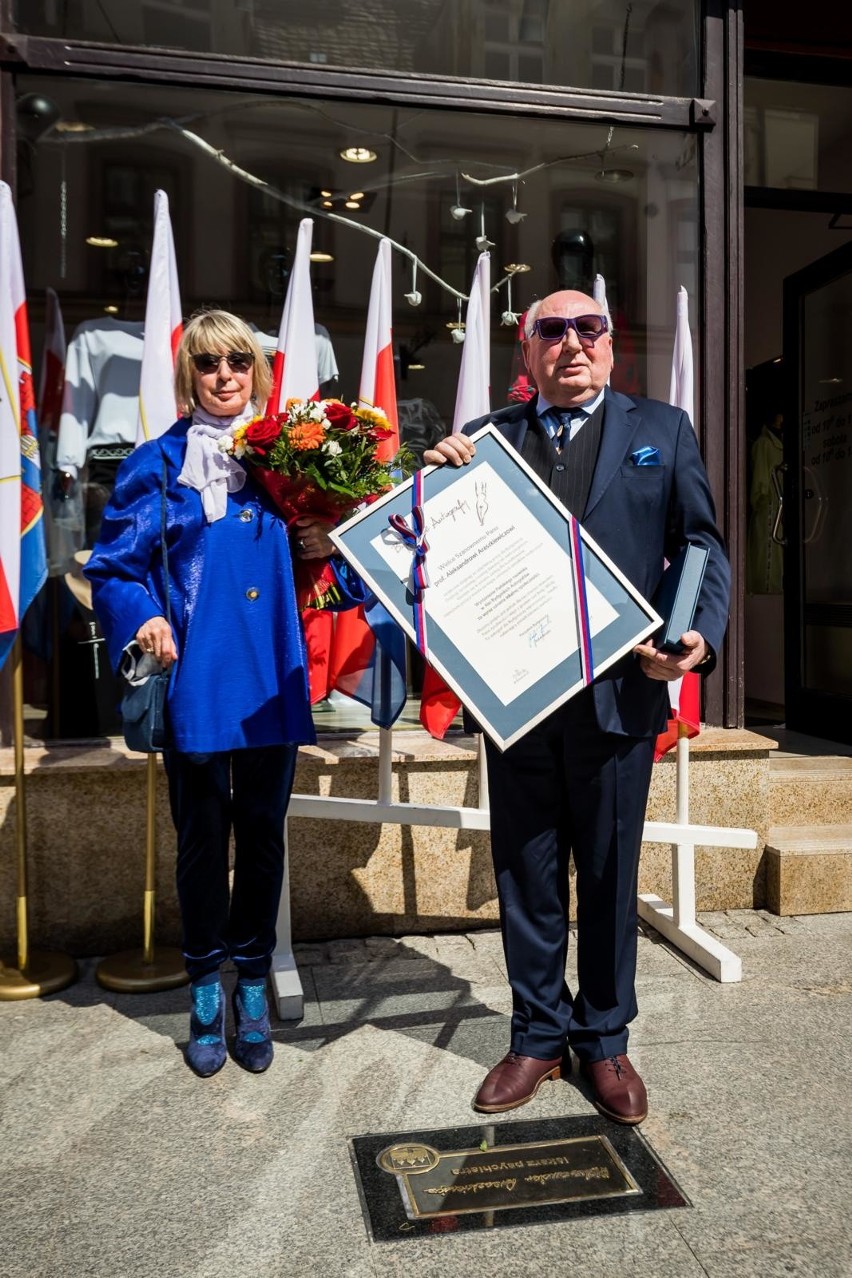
(318, 457)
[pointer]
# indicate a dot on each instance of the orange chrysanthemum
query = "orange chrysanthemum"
(306, 435)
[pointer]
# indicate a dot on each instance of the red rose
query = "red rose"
(260, 435)
(340, 415)
(378, 434)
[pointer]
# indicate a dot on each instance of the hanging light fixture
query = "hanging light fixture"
(358, 155)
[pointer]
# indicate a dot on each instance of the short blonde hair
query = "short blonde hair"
(214, 331)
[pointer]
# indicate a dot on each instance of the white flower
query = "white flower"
(332, 447)
(225, 444)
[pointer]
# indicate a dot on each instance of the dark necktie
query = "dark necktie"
(563, 418)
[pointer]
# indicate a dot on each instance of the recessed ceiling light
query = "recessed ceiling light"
(416, 368)
(357, 195)
(111, 310)
(830, 381)
(614, 175)
(319, 256)
(73, 126)
(352, 204)
(101, 241)
(358, 155)
(328, 204)
(327, 194)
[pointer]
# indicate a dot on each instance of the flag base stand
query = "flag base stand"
(46, 972)
(134, 972)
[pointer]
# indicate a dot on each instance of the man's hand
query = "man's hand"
(455, 449)
(156, 637)
(310, 538)
(669, 666)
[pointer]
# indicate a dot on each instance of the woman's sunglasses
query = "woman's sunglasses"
(552, 328)
(237, 361)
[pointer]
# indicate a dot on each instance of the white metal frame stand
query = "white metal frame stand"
(675, 922)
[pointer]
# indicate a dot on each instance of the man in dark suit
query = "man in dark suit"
(578, 782)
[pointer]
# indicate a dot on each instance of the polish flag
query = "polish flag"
(52, 374)
(368, 654)
(295, 376)
(685, 693)
(294, 369)
(163, 329)
(23, 559)
(439, 705)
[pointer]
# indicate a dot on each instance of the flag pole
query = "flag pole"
(140, 971)
(153, 967)
(36, 971)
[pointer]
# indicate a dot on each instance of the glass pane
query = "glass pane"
(657, 40)
(826, 484)
(795, 135)
(632, 216)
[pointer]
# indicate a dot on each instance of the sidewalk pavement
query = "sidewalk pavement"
(118, 1163)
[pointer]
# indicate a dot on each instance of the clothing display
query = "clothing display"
(327, 370)
(100, 402)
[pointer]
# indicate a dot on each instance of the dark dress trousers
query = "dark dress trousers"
(578, 782)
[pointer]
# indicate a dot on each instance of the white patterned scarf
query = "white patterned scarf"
(205, 467)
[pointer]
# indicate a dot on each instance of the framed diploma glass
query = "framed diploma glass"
(522, 609)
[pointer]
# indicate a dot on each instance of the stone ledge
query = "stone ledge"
(809, 869)
(408, 747)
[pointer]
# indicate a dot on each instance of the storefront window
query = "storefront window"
(647, 46)
(560, 203)
(796, 135)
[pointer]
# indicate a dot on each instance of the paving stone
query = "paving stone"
(347, 952)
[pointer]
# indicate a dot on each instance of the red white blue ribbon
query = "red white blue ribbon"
(413, 535)
(581, 603)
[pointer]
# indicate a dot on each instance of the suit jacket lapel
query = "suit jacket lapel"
(621, 418)
(514, 421)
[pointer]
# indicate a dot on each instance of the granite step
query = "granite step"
(810, 790)
(809, 868)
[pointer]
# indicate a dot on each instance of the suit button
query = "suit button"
(559, 467)
(252, 593)
(246, 515)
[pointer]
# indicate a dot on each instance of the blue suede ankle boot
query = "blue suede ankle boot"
(253, 1046)
(206, 1052)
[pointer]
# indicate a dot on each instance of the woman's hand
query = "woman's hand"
(156, 637)
(310, 538)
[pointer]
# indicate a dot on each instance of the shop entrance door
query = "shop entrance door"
(817, 507)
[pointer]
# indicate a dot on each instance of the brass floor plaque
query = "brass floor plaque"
(504, 1173)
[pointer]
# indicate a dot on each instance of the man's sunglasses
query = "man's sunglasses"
(552, 328)
(237, 361)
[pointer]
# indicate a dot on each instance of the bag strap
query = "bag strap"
(164, 545)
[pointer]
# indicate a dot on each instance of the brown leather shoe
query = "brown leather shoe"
(617, 1090)
(514, 1081)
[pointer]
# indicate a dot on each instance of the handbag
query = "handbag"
(144, 709)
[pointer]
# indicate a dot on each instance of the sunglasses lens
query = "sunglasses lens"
(206, 363)
(552, 328)
(240, 361)
(590, 325)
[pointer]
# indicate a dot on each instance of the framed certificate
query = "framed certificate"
(501, 618)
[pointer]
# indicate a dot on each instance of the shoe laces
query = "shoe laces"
(617, 1066)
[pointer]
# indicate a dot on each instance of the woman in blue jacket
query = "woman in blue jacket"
(238, 698)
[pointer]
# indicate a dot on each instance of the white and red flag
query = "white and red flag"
(163, 329)
(23, 559)
(599, 294)
(685, 693)
(439, 705)
(374, 675)
(294, 369)
(64, 536)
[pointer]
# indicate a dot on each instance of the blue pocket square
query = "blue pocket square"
(646, 456)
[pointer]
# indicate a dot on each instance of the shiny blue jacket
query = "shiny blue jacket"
(241, 675)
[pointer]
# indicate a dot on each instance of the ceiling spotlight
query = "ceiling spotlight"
(358, 155)
(416, 368)
(357, 195)
(319, 256)
(327, 194)
(514, 216)
(352, 204)
(458, 212)
(111, 310)
(101, 241)
(614, 175)
(328, 204)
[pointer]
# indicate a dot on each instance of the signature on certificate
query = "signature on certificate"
(481, 486)
(460, 507)
(539, 631)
